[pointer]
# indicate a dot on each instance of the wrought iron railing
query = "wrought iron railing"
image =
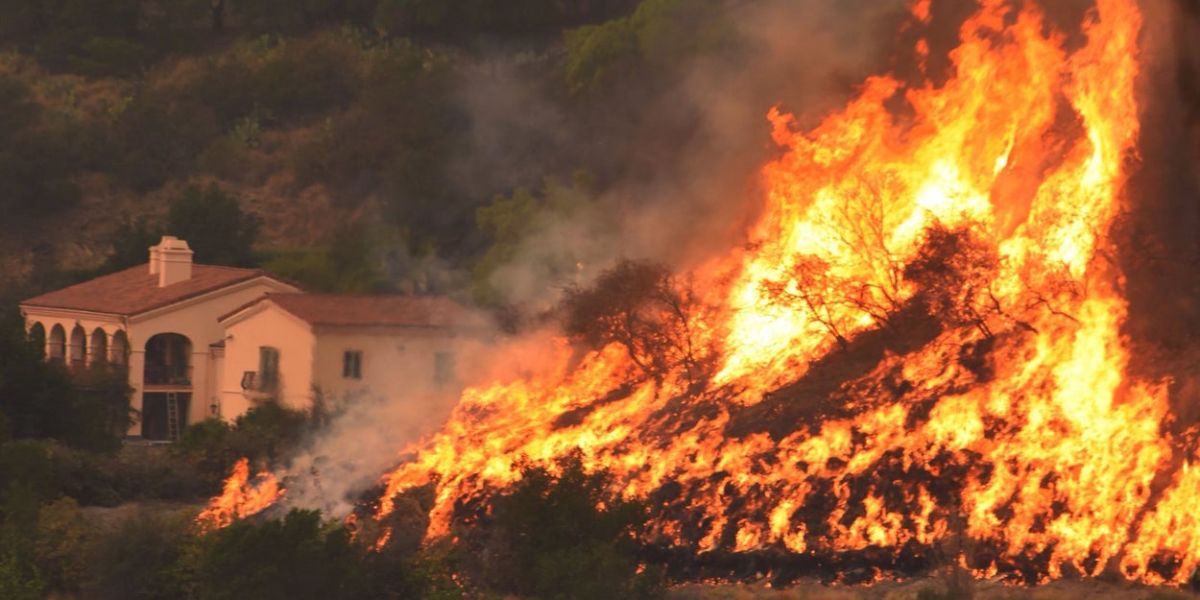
(160, 374)
(253, 381)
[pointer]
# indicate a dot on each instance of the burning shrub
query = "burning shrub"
(954, 270)
(640, 306)
(813, 288)
(402, 568)
(564, 535)
(839, 290)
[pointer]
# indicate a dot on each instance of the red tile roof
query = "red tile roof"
(135, 291)
(341, 310)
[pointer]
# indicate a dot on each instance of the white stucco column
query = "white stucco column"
(198, 409)
(137, 366)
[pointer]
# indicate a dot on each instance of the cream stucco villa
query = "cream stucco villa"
(202, 340)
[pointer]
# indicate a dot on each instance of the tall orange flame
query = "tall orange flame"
(240, 498)
(1018, 427)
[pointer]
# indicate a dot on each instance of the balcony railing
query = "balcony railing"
(257, 387)
(158, 374)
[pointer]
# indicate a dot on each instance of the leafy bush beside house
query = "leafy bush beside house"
(39, 400)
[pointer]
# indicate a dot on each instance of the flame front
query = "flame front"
(1016, 427)
(241, 497)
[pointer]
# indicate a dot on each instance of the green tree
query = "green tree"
(39, 399)
(268, 432)
(651, 44)
(213, 223)
(98, 413)
(130, 243)
(509, 222)
(352, 257)
(33, 392)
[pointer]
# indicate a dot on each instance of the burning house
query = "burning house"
(918, 351)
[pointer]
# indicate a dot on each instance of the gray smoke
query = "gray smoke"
(686, 167)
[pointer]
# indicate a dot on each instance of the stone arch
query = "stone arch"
(77, 350)
(37, 336)
(168, 360)
(98, 346)
(118, 350)
(57, 346)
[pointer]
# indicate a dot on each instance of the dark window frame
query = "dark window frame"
(352, 364)
(268, 367)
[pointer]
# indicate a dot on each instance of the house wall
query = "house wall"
(48, 318)
(216, 378)
(395, 361)
(266, 325)
(197, 320)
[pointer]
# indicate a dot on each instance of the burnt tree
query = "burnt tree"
(642, 307)
(953, 271)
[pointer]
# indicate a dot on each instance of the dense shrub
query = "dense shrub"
(40, 400)
(140, 558)
(63, 533)
(158, 136)
(563, 534)
(36, 162)
(211, 220)
(272, 80)
(511, 225)
(651, 44)
(394, 144)
(213, 223)
(206, 446)
(267, 433)
(51, 470)
(290, 559)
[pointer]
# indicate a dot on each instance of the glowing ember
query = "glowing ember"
(1009, 425)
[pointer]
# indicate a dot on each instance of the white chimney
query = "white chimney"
(153, 260)
(171, 260)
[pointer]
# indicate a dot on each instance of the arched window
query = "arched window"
(37, 337)
(168, 360)
(58, 343)
(98, 346)
(77, 352)
(118, 353)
